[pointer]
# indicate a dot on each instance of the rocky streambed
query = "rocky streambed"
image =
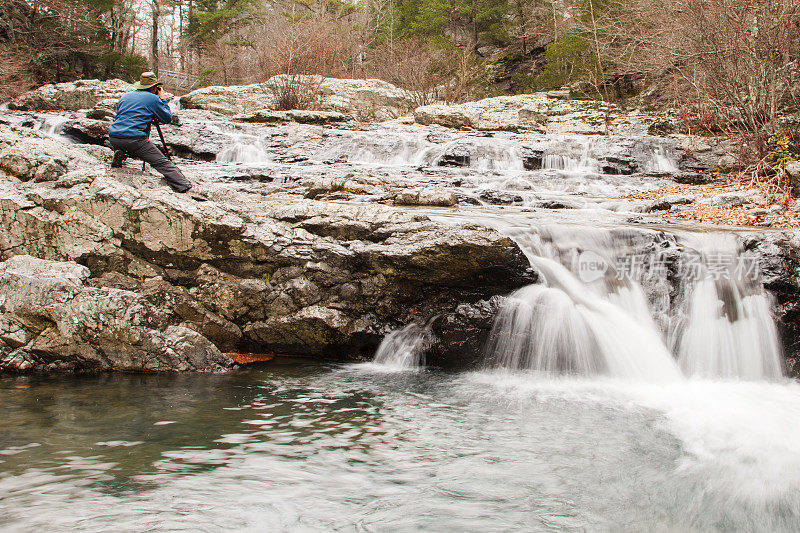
(324, 233)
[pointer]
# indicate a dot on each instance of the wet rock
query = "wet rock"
(555, 204)
(461, 334)
(458, 156)
(64, 321)
(70, 96)
(616, 166)
(500, 198)
(533, 159)
(88, 130)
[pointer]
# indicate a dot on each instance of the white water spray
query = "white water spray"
(660, 162)
(603, 325)
(725, 328)
(404, 349)
(53, 126)
(563, 327)
(245, 149)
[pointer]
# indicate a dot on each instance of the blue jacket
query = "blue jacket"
(135, 111)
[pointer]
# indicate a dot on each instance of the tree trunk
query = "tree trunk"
(154, 35)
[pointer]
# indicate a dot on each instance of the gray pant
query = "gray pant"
(146, 151)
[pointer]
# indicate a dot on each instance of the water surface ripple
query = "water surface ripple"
(309, 448)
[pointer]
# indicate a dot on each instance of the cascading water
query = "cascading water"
(579, 159)
(592, 318)
(724, 328)
(53, 126)
(245, 149)
(566, 326)
(660, 162)
(404, 349)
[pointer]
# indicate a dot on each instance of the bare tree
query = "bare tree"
(155, 14)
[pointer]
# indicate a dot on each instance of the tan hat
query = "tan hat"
(146, 80)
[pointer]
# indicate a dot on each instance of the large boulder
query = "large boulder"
(362, 99)
(551, 112)
(29, 155)
(365, 99)
(230, 100)
(70, 96)
(51, 320)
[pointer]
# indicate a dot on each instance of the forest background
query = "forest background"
(723, 65)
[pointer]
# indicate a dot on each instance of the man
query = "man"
(130, 132)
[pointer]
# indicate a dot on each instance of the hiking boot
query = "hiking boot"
(119, 158)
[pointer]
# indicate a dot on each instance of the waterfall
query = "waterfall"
(660, 162)
(496, 154)
(245, 149)
(174, 104)
(591, 317)
(404, 349)
(583, 161)
(559, 162)
(52, 126)
(563, 327)
(725, 328)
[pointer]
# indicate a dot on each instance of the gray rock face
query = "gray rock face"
(425, 196)
(540, 112)
(70, 96)
(51, 320)
(362, 99)
(28, 155)
(267, 116)
(248, 270)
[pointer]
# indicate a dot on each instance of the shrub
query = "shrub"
(294, 91)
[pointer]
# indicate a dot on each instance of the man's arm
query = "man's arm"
(161, 110)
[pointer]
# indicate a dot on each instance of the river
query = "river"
(356, 448)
